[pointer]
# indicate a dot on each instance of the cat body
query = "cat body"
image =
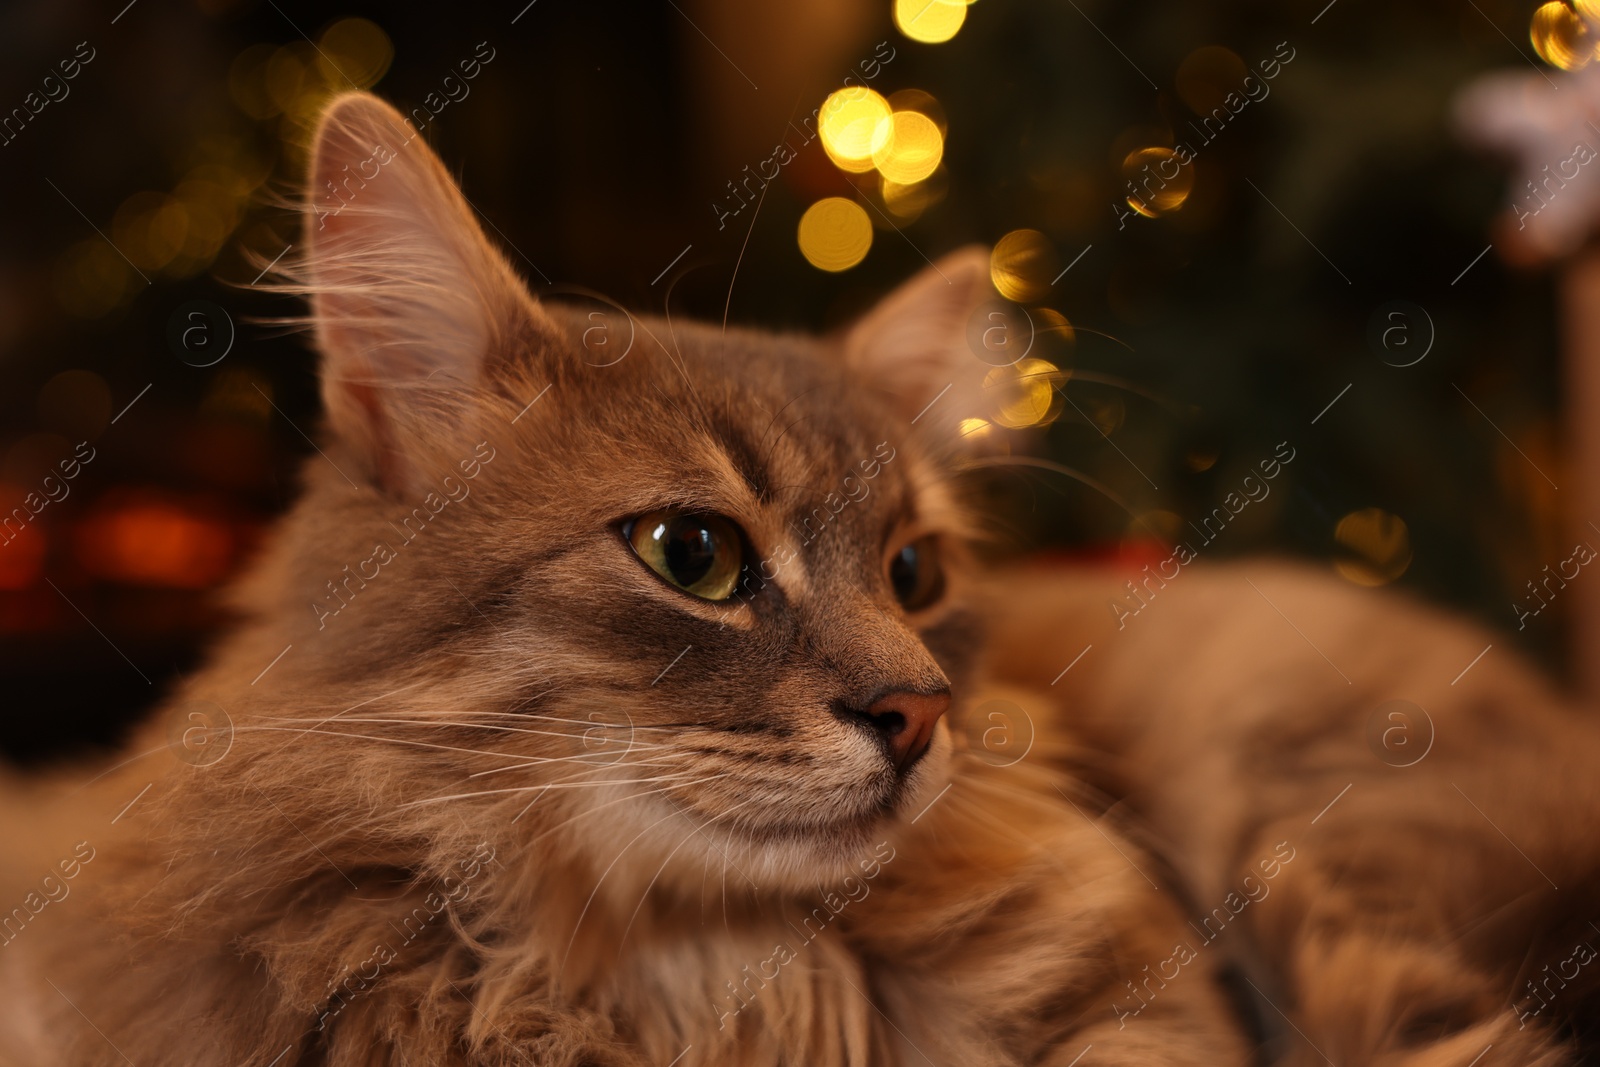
(593, 708)
(1438, 794)
(623, 691)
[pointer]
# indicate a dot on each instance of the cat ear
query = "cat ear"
(917, 344)
(409, 299)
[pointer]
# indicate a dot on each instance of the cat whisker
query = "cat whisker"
(477, 726)
(1118, 382)
(545, 761)
(397, 740)
(361, 703)
(984, 462)
(675, 779)
(623, 941)
(675, 813)
(1099, 333)
(373, 737)
(596, 809)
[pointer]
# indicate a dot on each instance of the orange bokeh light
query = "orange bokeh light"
(149, 541)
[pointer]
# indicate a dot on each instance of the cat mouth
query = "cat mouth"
(842, 828)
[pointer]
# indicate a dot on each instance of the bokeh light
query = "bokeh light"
(919, 100)
(907, 202)
(1374, 546)
(929, 21)
(1162, 525)
(22, 547)
(91, 280)
(1207, 75)
(853, 125)
(975, 428)
(247, 84)
(1159, 181)
(142, 539)
(1023, 265)
(835, 234)
(1561, 36)
(912, 149)
(35, 457)
(1050, 322)
(354, 52)
(1023, 394)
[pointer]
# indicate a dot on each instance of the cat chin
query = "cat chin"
(798, 857)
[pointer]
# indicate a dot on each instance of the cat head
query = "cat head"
(696, 594)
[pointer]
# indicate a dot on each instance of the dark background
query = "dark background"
(597, 139)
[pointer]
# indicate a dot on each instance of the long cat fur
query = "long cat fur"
(1443, 900)
(721, 870)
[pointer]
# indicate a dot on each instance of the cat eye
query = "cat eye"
(698, 553)
(916, 574)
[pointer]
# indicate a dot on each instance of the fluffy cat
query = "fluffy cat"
(590, 709)
(1440, 798)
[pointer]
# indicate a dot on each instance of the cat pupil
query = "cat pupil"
(690, 549)
(904, 573)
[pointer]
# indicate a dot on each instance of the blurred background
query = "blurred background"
(1233, 224)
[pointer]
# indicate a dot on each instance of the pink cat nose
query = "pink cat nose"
(906, 720)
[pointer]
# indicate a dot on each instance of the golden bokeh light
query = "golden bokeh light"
(1049, 321)
(355, 52)
(907, 202)
(247, 82)
(151, 229)
(1160, 524)
(1207, 75)
(975, 428)
(239, 393)
(91, 280)
(927, 104)
(854, 123)
(1023, 265)
(1374, 546)
(1160, 181)
(1561, 36)
(290, 73)
(1024, 393)
(1107, 414)
(911, 151)
(835, 234)
(929, 21)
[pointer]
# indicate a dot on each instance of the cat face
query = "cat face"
(690, 596)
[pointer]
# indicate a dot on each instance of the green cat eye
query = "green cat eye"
(916, 574)
(700, 554)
